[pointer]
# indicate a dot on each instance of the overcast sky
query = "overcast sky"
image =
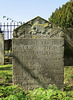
(24, 10)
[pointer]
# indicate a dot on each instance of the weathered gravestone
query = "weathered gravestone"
(1, 48)
(38, 50)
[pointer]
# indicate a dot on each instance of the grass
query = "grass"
(68, 75)
(10, 92)
(68, 78)
(5, 75)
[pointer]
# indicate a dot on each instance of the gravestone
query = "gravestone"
(1, 48)
(38, 50)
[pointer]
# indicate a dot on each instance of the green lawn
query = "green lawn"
(10, 92)
(5, 75)
(68, 75)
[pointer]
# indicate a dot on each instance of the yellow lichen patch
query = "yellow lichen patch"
(41, 25)
(46, 25)
(34, 37)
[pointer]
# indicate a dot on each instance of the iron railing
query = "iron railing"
(7, 29)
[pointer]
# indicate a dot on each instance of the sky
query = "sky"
(25, 10)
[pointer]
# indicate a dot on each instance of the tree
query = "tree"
(63, 17)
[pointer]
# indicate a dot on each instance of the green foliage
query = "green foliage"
(4, 16)
(68, 75)
(5, 74)
(51, 93)
(12, 93)
(63, 17)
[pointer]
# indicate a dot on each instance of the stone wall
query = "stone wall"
(1, 49)
(38, 55)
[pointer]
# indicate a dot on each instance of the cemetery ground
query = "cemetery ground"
(10, 92)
